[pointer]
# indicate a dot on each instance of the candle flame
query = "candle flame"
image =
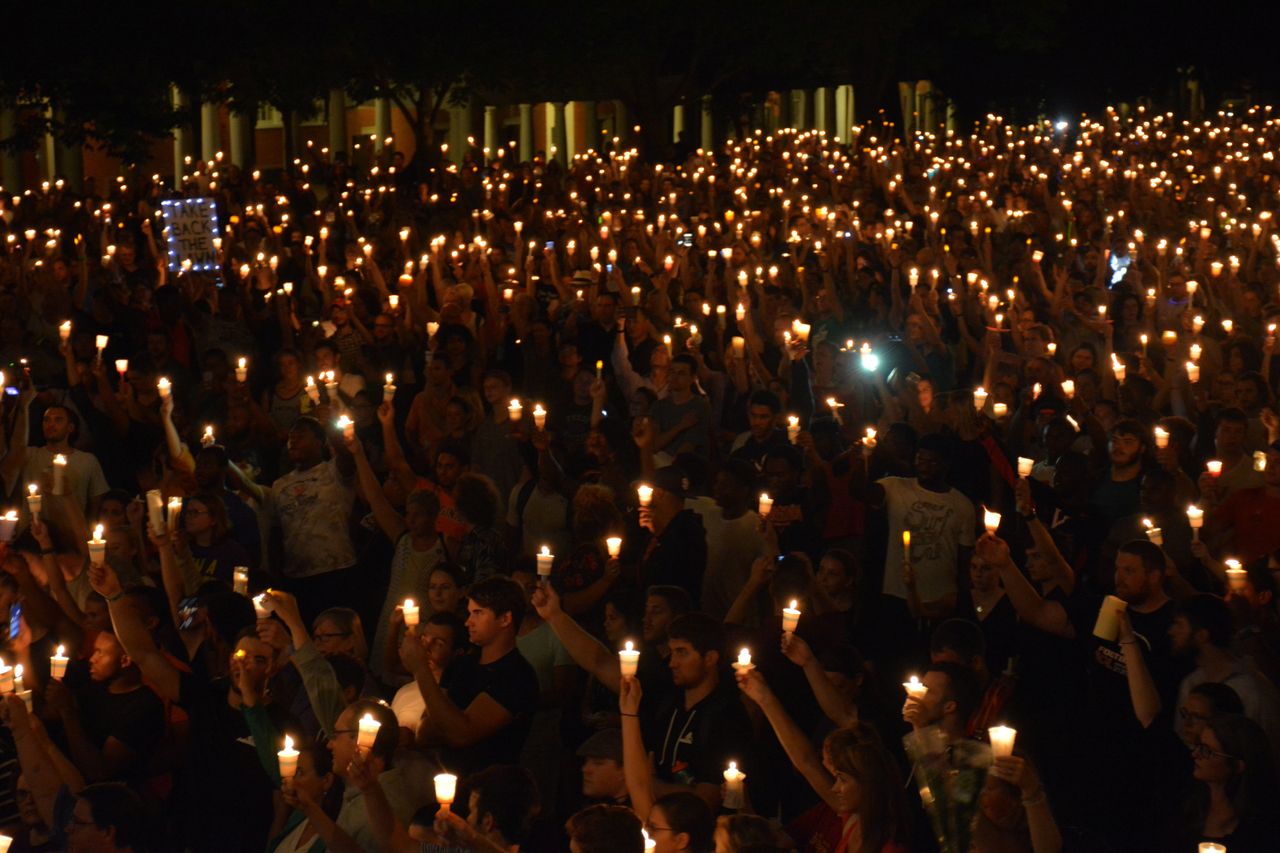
(288, 743)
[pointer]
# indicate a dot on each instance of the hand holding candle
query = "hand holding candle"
(613, 545)
(628, 660)
(733, 783)
(766, 505)
(58, 664)
(916, 689)
(97, 547)
(411, 611)
(790, 618)
(1002, 738)
(367, 732)
(446, 785)
(545, 560)
(990, 520)
(288, 758)
(743, 664)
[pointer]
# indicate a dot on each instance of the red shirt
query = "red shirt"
(1253, 516)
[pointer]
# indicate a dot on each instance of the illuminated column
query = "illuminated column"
(339, 139)
(526, 132)
(559, 135)
(210, 133)
(677, 122)
(491, 129)
(381, 123)
(708, 125)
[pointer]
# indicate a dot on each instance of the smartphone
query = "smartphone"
(187, 608)
(11, 391)
(551, 244)
(15, 620)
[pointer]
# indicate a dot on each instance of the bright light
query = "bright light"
(1062, 124)
(870, 361)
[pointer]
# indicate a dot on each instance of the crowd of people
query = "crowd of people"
(858, 496)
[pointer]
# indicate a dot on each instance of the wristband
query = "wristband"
(116, 597)
(621, 714)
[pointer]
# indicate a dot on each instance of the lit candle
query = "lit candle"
(1212, 847)
(242, 369)
(906, 543)
(1068, 388)
(8, 524)
(539, 416)
(262, 605)
(999, 410)
(613, 545)
(122, 366)
(313, 391)
(979, 398)
(733, 779)
(58, 664)
(1237, 577)
(347, 426)
(389, 388)
(599, 369)
(101, 341)
(514, 409)
(64, 331)
(990, 520)
(1154, 534)
(97, 547)
(739, 346)
(1142, 339)
(175, 511)
(1002, 738)
(1193, 372)
(915, 688)
(869, 440)
(1024, 466)
(35, 501)
(288, 758)
(367, 732)
(1214, 467)
(790, 618)
(1162, 438)
(18, 686)
(793, 428)
(240, 580)
(628, 660)
(59, 474)
(410, 610)
(766, 505)
(432, 328)
(743, 664)
(446, 789)
(835, 406)
(164, 387)
(1259, 460)
(545, 559)
(1117, 367)
(6, 678)
(645, 493)
(1195, 518)
(207, 440)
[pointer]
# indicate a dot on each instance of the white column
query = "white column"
(799, 109)
(526, 132)
(339, 139)
(677, 122)
(924, 105)
(842, 117)
(10, 175)
(241, 142)
(708, 126)
(381, 123)
(571, 130)
(907, 100)
(822, 109)
(491, 130)
(183, 137)
(210, 133)
(559, 136)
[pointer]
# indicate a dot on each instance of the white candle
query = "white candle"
(242, 369)
(261, 605)
(1237, 577)
(915, 687)
(739, 346)
(979, 398)
(766, 505)
(1195, 518)
(164, 386)
(514, 409)
(175, 512)
(59, 474)
(1162, 438)
(155, 510)
(793, 428)
(545, 559)
(122, 366)
(64, 331)
(613, 545)
(733, 779)
(990, 520)
(628, 660)
(1024, 466)
(432, 328)
(207, 440)
(1193, 372)
(1259, 460)
(58, 664)
(347, 426)
(1211, 847)
(240, 580)
(6, 678)
(1107, 626)
(18, 686)
(1117, 367)
(743, 664)
(101, 342)
(288, 758)
(313, 391)
(389, 388)
(1002, 738)
(411, 611)
(1214, 466)
(539, 416)
(446, 789)
(367, 732)
(97, 547)
(8, 524)
(645, 493)
(790, 618)
(999, 409)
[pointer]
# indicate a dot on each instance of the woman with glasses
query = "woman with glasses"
(1234, 800)
(208, 529)
(681, 823)
(1203, 703)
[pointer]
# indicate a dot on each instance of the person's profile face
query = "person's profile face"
(657, 617)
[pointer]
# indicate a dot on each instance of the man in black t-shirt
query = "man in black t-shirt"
(114, 725)
(480, 711)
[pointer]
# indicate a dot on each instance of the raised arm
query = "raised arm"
(133, 635)
(586, 651)
(794, 741)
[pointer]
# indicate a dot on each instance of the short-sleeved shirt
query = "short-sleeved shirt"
(84, 477)
(511, 682)
(313, 507)
(941, 523)
(410, 572)
(544, 652)
(667, 414)
(135, 718)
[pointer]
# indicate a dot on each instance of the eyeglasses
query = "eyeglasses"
(651, 829)
(1202, 751)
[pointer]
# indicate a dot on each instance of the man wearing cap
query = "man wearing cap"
(677, 552)
(602, 778)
